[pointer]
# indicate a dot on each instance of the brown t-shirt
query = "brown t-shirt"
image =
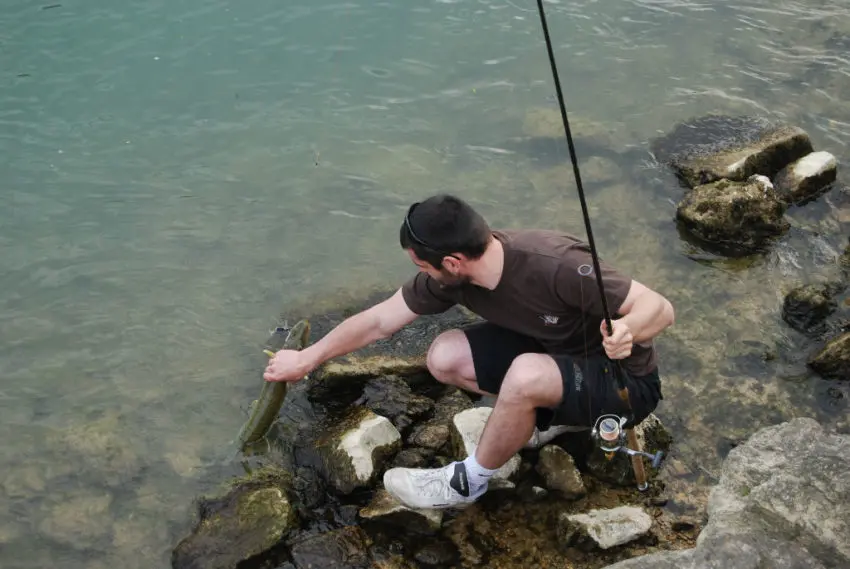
(547, 291)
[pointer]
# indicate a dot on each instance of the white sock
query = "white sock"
(477, 474)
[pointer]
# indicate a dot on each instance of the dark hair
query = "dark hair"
(442, 225)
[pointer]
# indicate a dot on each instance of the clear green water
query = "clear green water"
(176, 175)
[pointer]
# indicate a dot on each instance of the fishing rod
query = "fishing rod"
(607, 427)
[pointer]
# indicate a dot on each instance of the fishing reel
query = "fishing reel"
(610, 434)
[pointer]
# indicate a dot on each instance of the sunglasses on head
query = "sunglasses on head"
(417, 238)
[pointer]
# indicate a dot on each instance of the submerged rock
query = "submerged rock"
(833, 360)
(805, 178)
(807, 307)
(603, 528)
(714, 147)
(346, 548)
(247, 523)
(733, 217)
(466, 431)
(783, 501)
(558, 469)
(386, 509)
(356, 447)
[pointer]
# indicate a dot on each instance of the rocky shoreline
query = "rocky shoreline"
(312, 494)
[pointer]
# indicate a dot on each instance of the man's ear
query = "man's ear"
(452, 264)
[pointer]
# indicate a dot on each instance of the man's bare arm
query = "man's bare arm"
(646, 313)
(376, 323)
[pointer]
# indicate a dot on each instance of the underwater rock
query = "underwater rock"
(714, 147)
(437, 553)
(247, 523)
(356, 447)
(77, 520)
(344, 548)
(651, 436)
(833, 360)
(844, 260)
(805, 178)
(467, 427)
(783, 501)
(735, 218)
(558, 469)
(546, 122)
(391, 397)
(603, 528)
(386, 509)
(807, 307)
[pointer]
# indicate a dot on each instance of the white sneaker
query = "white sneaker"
(540, 438)
(431, 488)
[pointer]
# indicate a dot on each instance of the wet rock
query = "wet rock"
(248, 522)
(391, 397)
(783, 501)
(356, 447)
(439, 553)
(100, 444)
(413, 458)
(714, 147)
(467, 427)
(350, 367)
(805, 178)
(603, 528)
(345, 548)
(733, 217)
(833, 360)
(559, 471)
(385, 509)
(651, 436)
(807, 307)
(433, 434)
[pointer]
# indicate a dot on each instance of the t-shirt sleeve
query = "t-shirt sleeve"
(577, 286)
(423, 296)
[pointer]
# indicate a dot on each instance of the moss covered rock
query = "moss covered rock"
(249, 522)
(733, 218)
(715, 147)
(355, 448)
(833, 360)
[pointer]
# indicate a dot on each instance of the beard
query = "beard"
(449, 281)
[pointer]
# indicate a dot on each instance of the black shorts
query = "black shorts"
(590, 387)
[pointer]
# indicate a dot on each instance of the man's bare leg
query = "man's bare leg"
(533, 380)
(450, 361)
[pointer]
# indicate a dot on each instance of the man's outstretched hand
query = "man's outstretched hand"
(287, 365)
(619, 344)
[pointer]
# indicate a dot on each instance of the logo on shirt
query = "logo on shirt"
(549, 319)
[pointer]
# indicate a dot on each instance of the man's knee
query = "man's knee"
(450, 357)
(534, 379)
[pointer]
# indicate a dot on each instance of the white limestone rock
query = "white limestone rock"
(605, 528)
(807, 177)
(356, 448)
(466, 430)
